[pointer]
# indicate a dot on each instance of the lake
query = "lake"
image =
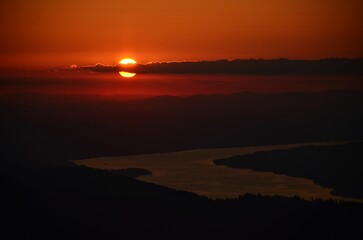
(194, 171)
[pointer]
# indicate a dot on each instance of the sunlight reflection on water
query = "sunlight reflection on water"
(195, 171)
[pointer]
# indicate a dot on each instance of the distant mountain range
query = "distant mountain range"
(67, 128)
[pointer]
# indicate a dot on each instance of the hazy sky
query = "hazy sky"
(52, 32)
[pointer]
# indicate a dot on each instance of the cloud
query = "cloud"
(240, 66)
(99, 68)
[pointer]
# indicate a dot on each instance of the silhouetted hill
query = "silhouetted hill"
(82, 203)
(339, 167)
(49, 134)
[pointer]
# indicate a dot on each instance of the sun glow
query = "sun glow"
(127, 61)
(127, 74)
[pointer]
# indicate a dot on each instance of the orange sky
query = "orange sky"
(43, 33)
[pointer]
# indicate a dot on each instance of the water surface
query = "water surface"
(195, 171)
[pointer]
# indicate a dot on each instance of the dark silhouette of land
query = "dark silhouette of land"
(339, 167)
(332, 66)
(131, 172)
(82, 203)
(51, 134)
(44, 196)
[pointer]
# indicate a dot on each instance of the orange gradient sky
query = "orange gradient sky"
(41, 33)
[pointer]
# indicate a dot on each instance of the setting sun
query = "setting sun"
(127, 61)
(127, 74)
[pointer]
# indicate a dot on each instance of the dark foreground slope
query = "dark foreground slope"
(82, 203)
(49, 133)
(339, 167)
